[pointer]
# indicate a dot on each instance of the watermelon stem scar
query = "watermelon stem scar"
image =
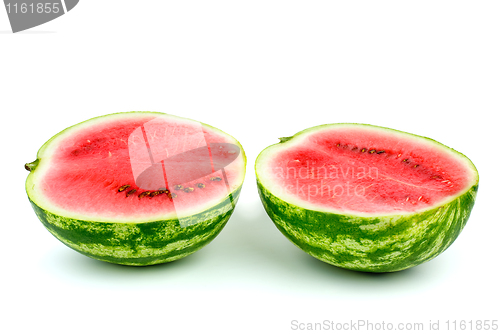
(31, 166)
(284, 139)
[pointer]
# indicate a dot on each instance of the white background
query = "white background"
(258, 70)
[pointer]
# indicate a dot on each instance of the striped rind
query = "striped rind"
(153, 240)
(371, 244)
(141, 243)
(367, 242)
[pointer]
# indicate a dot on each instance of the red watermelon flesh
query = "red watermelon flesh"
(93, 169)
(367, 170)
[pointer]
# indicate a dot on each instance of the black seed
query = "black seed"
(380, 152)
(354, 148)
(171, 195)
(405, 160)
(143, 194)
(372, 151)
(154, 193)
(188, 190)
(131, 192)
(215, 178)
(415, 166)
(122, 188)
(200, 185)
(363, 150)
(178, 187)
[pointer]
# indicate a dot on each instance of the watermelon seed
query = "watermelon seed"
(188, 190)
(380, 152)
(415, 166)
(338, 145)
(200, 185)
(405, 160)
(154, 193)
(354, 148)
(131, 192)
(171, 195)
(407, 198)
(122, 188)
(398, 155)
(363, 150)
(372, 151)
(215, 178)
(163, 190)
(420, 198)
(178, 187)
(143, 194)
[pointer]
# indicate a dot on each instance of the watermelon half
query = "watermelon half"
(366, 198)
(136, 188)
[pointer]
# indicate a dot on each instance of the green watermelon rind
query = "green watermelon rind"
(370, 243)
(133, 243)
(141, 243)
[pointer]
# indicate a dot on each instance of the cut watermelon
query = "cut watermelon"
(366, 198)
(136, 188)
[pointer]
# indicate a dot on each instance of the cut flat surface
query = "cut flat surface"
(364, 170)
(136, 188)
(81, 171)
(366, 198)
